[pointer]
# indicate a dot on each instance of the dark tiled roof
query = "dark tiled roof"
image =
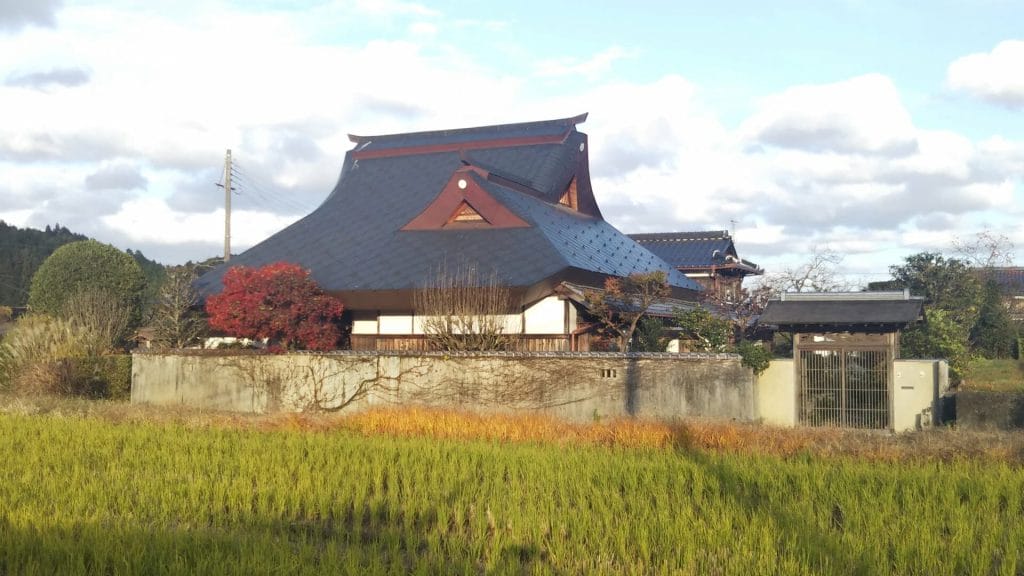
(354, 242)
(839, 314)
(539, 129)
(663, 308)
(1010, 279)
(694, 249)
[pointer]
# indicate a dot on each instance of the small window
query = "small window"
(466, 213)
(569, 197)
(609, 373)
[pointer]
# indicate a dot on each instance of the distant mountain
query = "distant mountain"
(22, 250)
(21, 253)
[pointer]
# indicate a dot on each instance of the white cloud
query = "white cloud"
(838, 164)
(996, 76)
(590, 68)
(151, 220)
(16, 14)
(860, 115)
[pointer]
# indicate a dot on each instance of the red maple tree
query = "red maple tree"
(279, 302)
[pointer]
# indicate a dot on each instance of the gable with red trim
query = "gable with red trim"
(463, 203)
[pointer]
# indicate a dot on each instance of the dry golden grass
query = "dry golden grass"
(697, 435)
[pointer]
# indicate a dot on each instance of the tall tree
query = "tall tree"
(176, 316)
(985, 249)
(946, 283)
(994, 334)
(625, 301)
(952, 292)
(279, 302)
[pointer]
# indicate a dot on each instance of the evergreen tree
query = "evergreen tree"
(993, 335)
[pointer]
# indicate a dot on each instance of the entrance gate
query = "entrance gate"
(845, 379)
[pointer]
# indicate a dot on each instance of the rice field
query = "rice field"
(88, 495)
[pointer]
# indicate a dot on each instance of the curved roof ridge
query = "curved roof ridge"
(563, 123)
(682, 236)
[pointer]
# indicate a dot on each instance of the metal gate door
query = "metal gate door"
(844, 386)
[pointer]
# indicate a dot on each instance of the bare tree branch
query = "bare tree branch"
(986, 250)
(819, 274)
(463, 310)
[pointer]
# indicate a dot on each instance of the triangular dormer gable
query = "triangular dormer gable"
(463, 203)
(563, 179)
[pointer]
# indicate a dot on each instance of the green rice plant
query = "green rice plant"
(87, 496)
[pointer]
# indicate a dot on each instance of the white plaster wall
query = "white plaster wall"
(546, 317)
(364, 322)
(775, 394)
(364, 326)
(395, 323)
(513, 324)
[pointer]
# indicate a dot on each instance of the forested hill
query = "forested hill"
(22, 250)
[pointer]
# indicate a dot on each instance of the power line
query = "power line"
(252, 188)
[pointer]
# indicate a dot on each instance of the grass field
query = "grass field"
(1003, 375)
(120, 491)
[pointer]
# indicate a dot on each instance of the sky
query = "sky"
(876, 129)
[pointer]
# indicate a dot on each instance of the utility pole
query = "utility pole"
(227, 206)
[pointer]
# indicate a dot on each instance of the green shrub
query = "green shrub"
(115, 372)
(754, 356)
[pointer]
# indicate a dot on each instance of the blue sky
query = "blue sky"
(876, 129)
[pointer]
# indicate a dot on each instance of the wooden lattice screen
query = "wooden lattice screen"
(845, 379)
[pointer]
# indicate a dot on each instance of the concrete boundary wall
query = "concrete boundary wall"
(576, 386)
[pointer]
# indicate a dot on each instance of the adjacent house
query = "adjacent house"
(511, 202)
(709, 258)
(1011, 283)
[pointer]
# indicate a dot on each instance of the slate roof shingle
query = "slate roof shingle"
(354, 242)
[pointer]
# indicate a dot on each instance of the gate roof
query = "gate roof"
(842, 312)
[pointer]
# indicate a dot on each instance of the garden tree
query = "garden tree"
(625, 301)
(743, 310)
(952, 293)
(650, 335)
(938, 336)
(994, 334)
(725, 331)
(279, 302)
(707, 331)
(946, 283)
(461, 310)
(819, 274)
(176, 317)
(93, 272)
